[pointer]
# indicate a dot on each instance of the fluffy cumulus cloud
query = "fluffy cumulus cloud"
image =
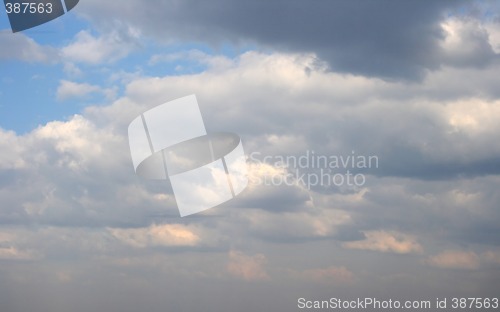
(467, 43)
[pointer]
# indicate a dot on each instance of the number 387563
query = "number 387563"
(28, 8)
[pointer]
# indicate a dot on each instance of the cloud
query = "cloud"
(78, 138)
(307, 223)
(427, 135)
(74, 180)
(384, 241)
(72, 70)
(493, 29)
(11, 147)
(446, 33)
(12, 253)
(78, 166)
(9, 250)
(73, 206)
(68, 89)
(157, 235)
(21, 47)
(249, 268)
(110, 47)
(467, 43)
(455, 259)
(409, 46)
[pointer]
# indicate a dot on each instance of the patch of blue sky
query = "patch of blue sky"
(4, 20)
(486, 10)
(27, 95)
(28, 91)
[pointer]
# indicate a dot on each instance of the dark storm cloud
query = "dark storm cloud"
(388, 39)
(391, 39)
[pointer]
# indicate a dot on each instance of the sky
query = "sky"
(412, 83)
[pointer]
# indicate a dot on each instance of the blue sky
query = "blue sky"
(23, 110)
(414, 84)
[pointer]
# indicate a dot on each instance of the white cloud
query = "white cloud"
(11, 147)
(323, 107)
(78, 137)
(74, 178)
(493, 29)
(68, 89)
(72, 70)
(318, 104)
(20, 47)
(109, 47)
(443, 118)
(466, 43)
(78, 173)
(385, 241)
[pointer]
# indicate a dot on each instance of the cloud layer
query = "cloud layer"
(413, 84)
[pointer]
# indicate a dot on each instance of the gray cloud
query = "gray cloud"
(22, 48)
(80, 231)
(78, 172)
(384, 39)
